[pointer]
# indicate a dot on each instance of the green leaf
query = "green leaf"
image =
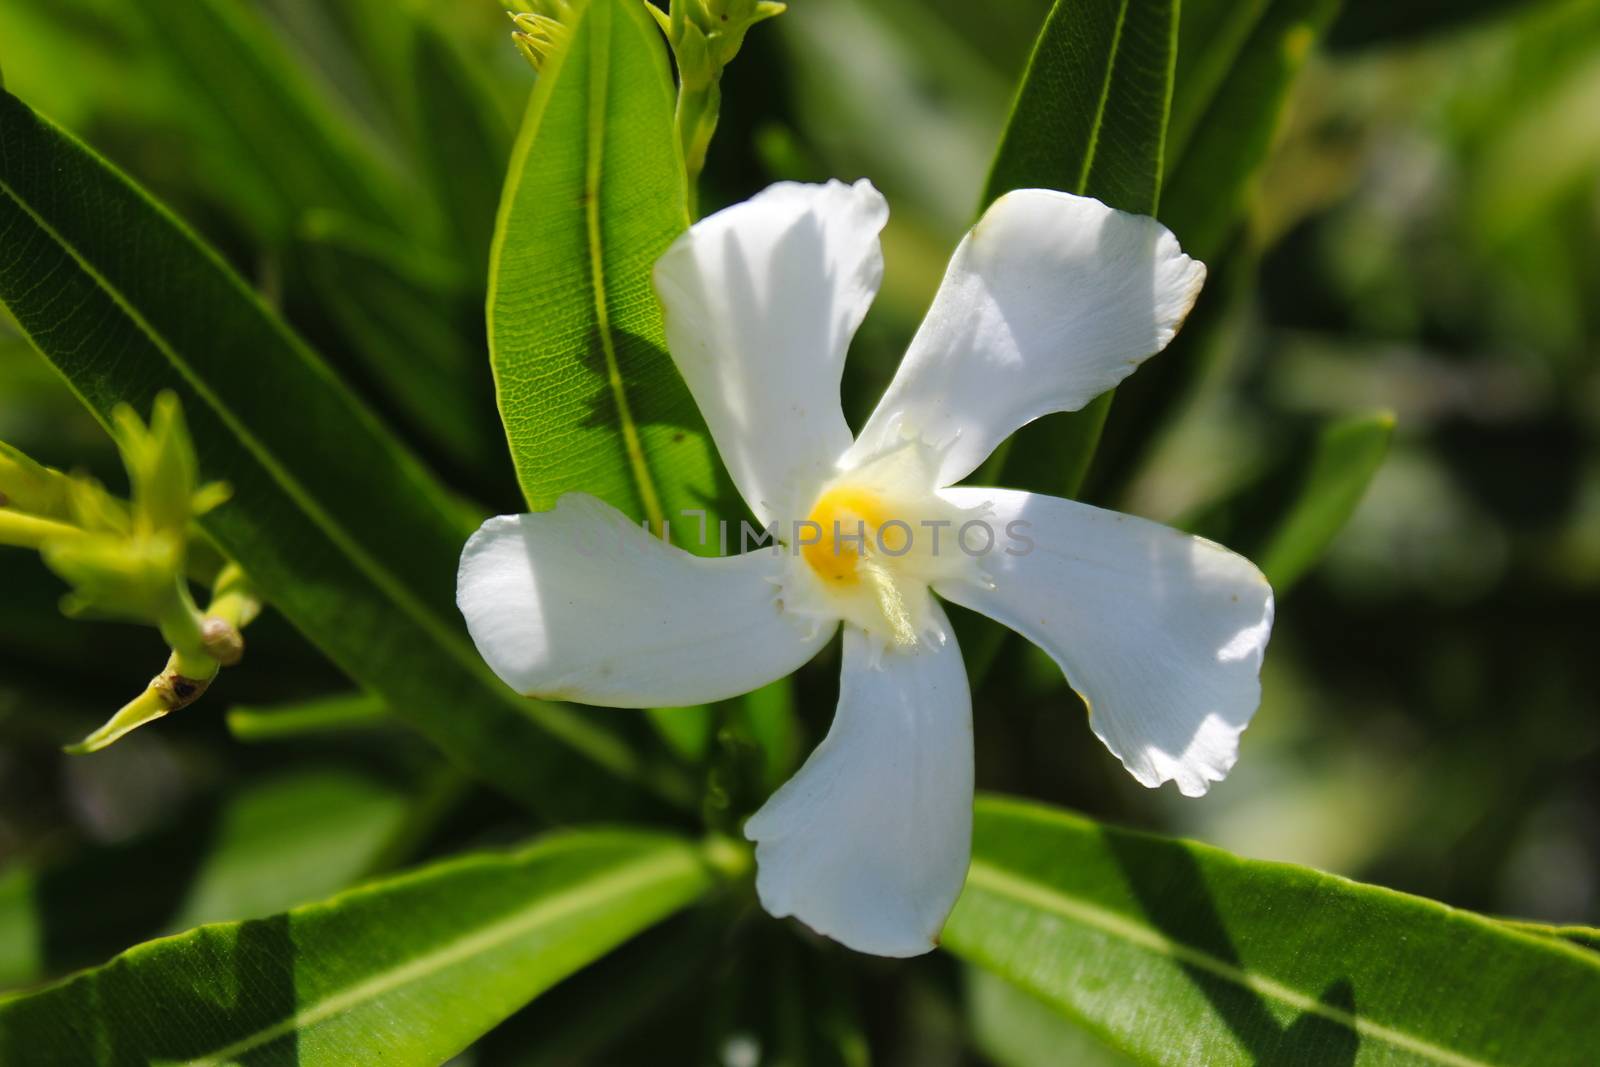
(1091, 114)
(1583, 936)
(1348, 455)
(406, 971)
(273, 139)
(268, 846)
(590, 399)
(1090, 118)
(334, 714)
(1286, 518)
(1236, 65)
(415, 324)
(340, 528)
(1015, 1029)
(1179, 953)
(465, 141)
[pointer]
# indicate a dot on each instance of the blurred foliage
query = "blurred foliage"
(1421, 240)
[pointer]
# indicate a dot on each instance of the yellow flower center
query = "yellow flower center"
(848, 524)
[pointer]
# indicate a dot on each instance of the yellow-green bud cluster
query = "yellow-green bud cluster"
(121, 559)
(706, 34)
(541, 32)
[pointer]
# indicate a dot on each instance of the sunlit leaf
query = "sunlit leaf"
(1178, 953)
(406, 971)
(590, 399)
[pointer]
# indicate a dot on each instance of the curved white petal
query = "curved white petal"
(1161, 633)
(761, 301)
(580, 604)
(1051, 300)
(868, 842)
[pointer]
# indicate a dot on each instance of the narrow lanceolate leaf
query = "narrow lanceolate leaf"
(336, 524)
(1091, 114)
(1347, 457)
(1235, 68)
(404, 972)
(268, 134)
(266, 846)
(1286, 518)
(1090, 118)
(1178, 953)
(1236, 65)
(590, 399)
(414, 323)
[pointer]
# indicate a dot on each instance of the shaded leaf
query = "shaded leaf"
(1286, 519)
(406, 971)
(590, 399)
(1236, 65)
(334, 714)
(269, 846)
(276, 140)
(1091, 114)
(1348, 455)
(1179, 953)
(1090, 118)
(416, 327)
(1015, 1029)
(338, 527)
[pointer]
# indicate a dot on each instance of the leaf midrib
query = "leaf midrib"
(590, 895)
(1105, 97)
(599, 99)
(988, 877)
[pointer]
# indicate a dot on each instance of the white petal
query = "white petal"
(761, 301)
(1161, 633)
(868, 843)
(580, 604)
(1051, 300)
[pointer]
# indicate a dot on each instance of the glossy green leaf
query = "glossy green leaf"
(1179, 953)
(590, 399)
(337, 525)
(268, 846)
(1091, 118)
(406, 971)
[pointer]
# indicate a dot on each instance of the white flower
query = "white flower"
(1051, 300)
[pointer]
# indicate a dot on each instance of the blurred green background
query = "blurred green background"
(1422, 239)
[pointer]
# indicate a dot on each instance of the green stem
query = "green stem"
(696, 120)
